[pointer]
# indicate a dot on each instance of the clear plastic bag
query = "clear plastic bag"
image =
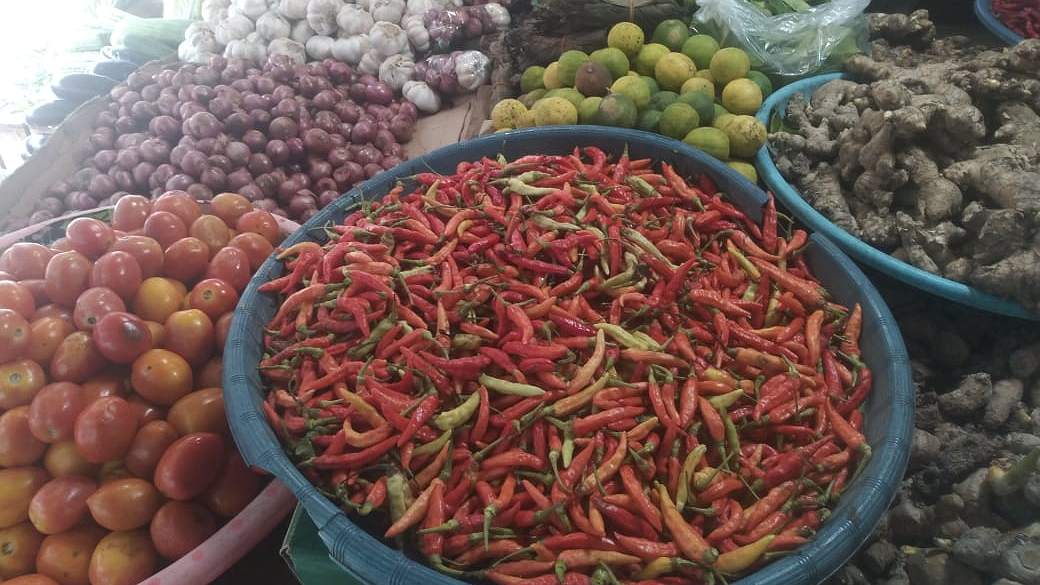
(451, 27)
(788, 45)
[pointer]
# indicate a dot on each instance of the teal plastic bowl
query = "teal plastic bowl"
(888, 415)
(984, 12)
(788, 195)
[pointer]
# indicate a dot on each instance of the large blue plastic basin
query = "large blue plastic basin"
(984, 12)
(889, 410)
(788, 194)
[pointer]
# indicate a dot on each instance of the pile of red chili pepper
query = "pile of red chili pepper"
(562, 369)
(1021, 16)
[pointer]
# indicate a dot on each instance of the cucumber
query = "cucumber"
(50, 113)
(115, 69)
(82, 86)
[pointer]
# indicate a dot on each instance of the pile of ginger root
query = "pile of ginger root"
(929, 151)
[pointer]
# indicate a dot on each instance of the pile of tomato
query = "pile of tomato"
(115, 455)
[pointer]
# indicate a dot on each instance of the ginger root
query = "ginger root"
(932, 154)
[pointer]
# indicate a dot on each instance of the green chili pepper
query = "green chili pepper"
(466, 341)
(433, 446)
(649, 342)
(414, 271)
(399, 495)
(518, 186)
(647, 245)
(621, 278)
(640, 185)
(511, 388)
(622, 336)
(689, 464)
(731, 433)
(457, 416)
(726, 400)
(377, 333)
(547, 223)
(742, 260)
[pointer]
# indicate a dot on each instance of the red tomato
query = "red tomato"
(178, 527)
(38, 288)
(234, 489)
(223, 327)
(210, 374)
(88, 236)
(57, 311)
(161, 376)
(16, 297)
(232, 266)
(61, 245)
(105, 429)
(20, 380)
(147, 252)
(187, 259)
(118, 271)
(25, 260)
(121, 337)
(180, 204)
(214, 297)
(189, 334)
(76, 359)
(256, 247)
(53, 412)
(211, 230)
(15, 335)
(165, 227)
(124, 504)
(110, 383)
(229, 207)
(94, 304)
(61, 503)
(190, 465)
(45, 336)
(130, 212)
(148, 446)
(260, 222)
(18, 446)
(144, 411)
(68, 274)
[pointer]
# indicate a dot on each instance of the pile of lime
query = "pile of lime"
(682, 86)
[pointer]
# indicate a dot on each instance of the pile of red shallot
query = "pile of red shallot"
(291, 138)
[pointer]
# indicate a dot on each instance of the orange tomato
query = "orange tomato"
(158, 298)
(45, 335)
(18, 546)
(17, 487)
(147, 448)
(161, 376)
(189, 334)
(64, 458)
(124, 504)
(123, 558)
(14, 335)
(200, 411)
(212, 230)
(20, 380)
(18, 446)
(18, 298)
(65, 557)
